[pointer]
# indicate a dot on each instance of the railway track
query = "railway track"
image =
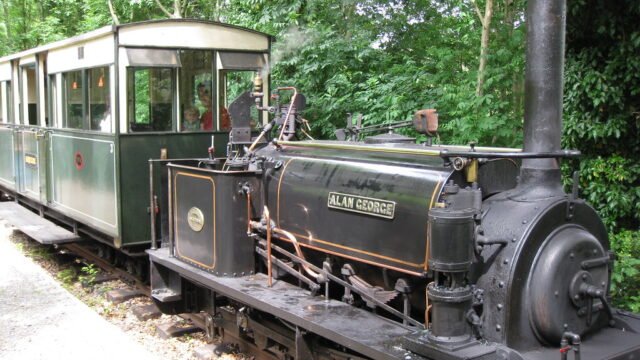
(84, 252)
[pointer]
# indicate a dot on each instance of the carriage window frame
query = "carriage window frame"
(66, 77)
(29, 116)
(230, 62)
(135, 126)
(52, 101)
(9, 104)
(86, 82)
(189, 96)
(100, 120)
(2, 103)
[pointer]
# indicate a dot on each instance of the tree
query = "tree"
(602, 119)
(485, 20)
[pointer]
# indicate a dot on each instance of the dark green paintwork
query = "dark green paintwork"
(135, 152)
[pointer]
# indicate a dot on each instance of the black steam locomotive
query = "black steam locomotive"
(388, 249)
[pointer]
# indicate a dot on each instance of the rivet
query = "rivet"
(499, 306)
(595, 252)
(556, 293)
(498, 327)
(524, 221)
(566, 326)
(572, 255)
(584, 276)
(576, 296)
(535, 208)
(506, 261)
(501, 284)
(603, 284)
(514, 240)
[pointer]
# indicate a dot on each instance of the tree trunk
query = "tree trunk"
(177, 10)
(7, 19)
(114, 16)
(485, 19)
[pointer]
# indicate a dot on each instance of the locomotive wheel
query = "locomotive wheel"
(558, 283)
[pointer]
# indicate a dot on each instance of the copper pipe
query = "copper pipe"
(294, 241)
(288, 237)
(269, 263)
(427, 307)
(248, 213)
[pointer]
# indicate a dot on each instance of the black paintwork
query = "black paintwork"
(357, 329)
(297, 195)
(222, 246)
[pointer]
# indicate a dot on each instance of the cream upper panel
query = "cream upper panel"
(192, 35)
(5, 71)
(96, 52)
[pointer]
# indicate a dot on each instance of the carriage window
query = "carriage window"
(9, 97)
(29, 95)
(52, 101)
(73, 95)
(151, 99)
(2, 101)
(99, 102)
(196, 82)
(234, 87)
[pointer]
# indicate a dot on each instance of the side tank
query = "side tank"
(370, 205)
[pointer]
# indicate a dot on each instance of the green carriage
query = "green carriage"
(80, 118)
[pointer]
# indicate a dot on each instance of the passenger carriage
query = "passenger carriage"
(80, 118)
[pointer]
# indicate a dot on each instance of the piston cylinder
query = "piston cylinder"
(450, 239)
(449, 308)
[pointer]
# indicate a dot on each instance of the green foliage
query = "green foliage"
(68, 276)
(89, 274)
(625, 285)
(602, 119)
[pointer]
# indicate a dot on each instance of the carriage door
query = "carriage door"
(32, 137)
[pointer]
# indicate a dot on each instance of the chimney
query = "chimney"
(543, 96)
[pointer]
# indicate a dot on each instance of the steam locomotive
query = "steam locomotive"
(388, 249)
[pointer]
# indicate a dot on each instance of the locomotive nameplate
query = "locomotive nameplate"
(195, 218)
(362, 205)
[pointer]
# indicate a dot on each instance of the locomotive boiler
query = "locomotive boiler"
(388, 249)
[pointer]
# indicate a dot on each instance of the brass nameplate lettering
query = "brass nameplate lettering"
(362, 205)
